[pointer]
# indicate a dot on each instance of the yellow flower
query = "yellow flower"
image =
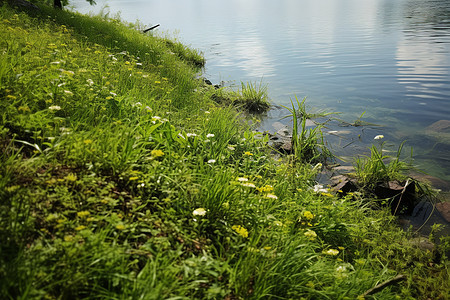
(157, 153)
(71, 177)
(133, 178)
(327, 194)
(308, 215)
(240, 230)
(332, 252)
(310, 234)
(79, 228)
(83, 214)
(265, 189)
(248, 153)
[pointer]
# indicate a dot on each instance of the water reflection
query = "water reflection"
(390, 58)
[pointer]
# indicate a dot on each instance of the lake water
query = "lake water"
(387, 58)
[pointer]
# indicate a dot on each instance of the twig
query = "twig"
(151, 28)
(382, 285)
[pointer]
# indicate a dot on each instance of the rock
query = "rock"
(344, 184)
(435, 182)
(422, 243)
(444, 210)
(440, 126)
(403, 196)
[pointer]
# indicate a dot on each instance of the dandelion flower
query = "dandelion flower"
(378, 137)
(199, 212)
(240, 230)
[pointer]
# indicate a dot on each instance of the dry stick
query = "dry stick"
(151, 28)
(382, 285)
(401, 196)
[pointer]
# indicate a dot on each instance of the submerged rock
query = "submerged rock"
(442, 126)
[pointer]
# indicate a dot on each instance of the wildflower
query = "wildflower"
(248, 184)
(248, 153)
(157, 81)
(267, 248)
(318, 188)
(83, 214)
(240, 230)
(156, 153)
(79, 228)
(332, 252)
(199, 212)
(211, 161)
(265, 189)
(55, 107)
(310, 234)
(207, 112)
(308, 215)
(327, 195)
(87, 141)
(90, 82)
(133, 178)
(378, 137)
(210, 135)
(191, 134)
(71, 177)
(231, 148)
(242, 179)
(271, 196)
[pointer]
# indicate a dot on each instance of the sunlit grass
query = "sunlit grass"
(121, 178)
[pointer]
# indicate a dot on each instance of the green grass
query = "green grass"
(120, 178)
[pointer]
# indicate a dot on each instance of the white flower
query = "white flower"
(271, 196)
(341, 269)
(242, 179)
(248, 184)
(190, 134)
(211, 161)
(318, 188)
(55, 107)
(199, 212)
(68, 92)
(210, 135)
(90, 82)
(378, 137)
(207, 112)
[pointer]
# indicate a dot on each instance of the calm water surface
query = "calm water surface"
(388, 58)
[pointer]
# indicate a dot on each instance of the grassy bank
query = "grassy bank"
(121, 178)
